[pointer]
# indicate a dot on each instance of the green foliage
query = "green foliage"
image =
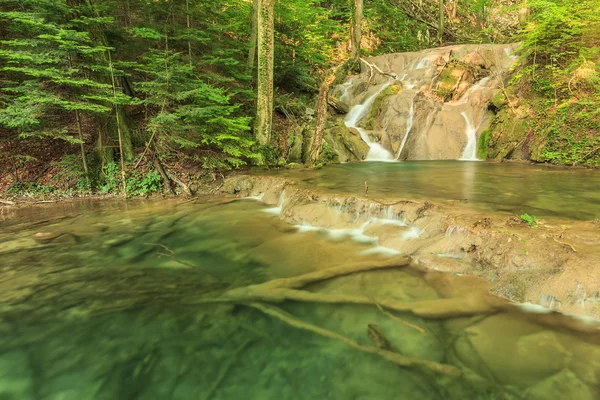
(328, 154)
(144, 185)
(483, 144)
(30, 189)
(530, 220)
(110, 179)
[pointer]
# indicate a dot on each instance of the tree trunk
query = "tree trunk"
(189, 26)
(440, 35)
(253, 33)
(523, 14)
(82, 144)
(266, 50)
(355, 29)
(317, 140)
(114, 85)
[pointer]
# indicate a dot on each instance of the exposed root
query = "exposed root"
(172, 256)
(403, 322)
(226, 368)
(569, 245)
(280, 290)
(388, 355)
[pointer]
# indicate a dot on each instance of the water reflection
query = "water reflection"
(549, 192)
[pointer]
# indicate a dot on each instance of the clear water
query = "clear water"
(549, 192)
(102, 300)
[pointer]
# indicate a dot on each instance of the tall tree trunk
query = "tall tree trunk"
(355, 29)
(253, 33)
(82, 144)
(114, 85)
(523, 13)
(266, 53)
(189, 26)
(317, 140)
(440, 35)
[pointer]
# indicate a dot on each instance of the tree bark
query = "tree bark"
(355, 29)
(189, 26)
(440, 35)
(119, 133)
(266, 53)
(315, 148)
(82, 145)
(253, 33)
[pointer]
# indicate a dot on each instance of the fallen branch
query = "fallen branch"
(392, 316)
(396, 358)
(375, 67)
(171, 254)
(7, 202)
(225, 369)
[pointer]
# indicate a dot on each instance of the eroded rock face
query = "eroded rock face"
(445, 93)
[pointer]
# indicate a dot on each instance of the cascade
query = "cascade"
(433, 126)
(376, 151)
(470, 151)
(345, 91)
(409, 125)
(276, 210)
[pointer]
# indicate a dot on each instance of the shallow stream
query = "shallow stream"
(102, 300)
(549, 192)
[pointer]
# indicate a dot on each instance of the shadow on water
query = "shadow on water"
(102, 300)
(511, 188)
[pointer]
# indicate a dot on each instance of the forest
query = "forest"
(141, 96)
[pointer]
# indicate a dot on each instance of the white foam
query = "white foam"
(413, 233)
(384, 251)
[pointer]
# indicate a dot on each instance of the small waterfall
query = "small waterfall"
(470, 151)
(277, 210)
(409, 125)
(345, 97)
(376, 151)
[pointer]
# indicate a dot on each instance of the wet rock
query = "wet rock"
(46, 237)
(564, 385)
(543, 352)
(506, 349)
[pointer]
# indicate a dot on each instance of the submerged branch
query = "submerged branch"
(396, 358)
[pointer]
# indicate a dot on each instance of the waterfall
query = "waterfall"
(345, 91)
(409, 125)
(277, 210)
(376, 151)
(470, 152)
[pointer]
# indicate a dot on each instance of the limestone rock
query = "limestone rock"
(563, 385)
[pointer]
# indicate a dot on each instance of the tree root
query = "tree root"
(280, 290)
(386, 354)
(403, 322)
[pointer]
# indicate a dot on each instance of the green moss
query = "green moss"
(483, 144)
(378, 103)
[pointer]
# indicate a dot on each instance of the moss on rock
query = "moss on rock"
(378, 103)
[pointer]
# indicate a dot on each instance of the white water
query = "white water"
(470, 151)
(276, 210)
(376, 151)
(409, 125)
(345, 91)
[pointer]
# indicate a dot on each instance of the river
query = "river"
(104, 300)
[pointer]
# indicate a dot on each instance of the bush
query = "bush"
(530, 220)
